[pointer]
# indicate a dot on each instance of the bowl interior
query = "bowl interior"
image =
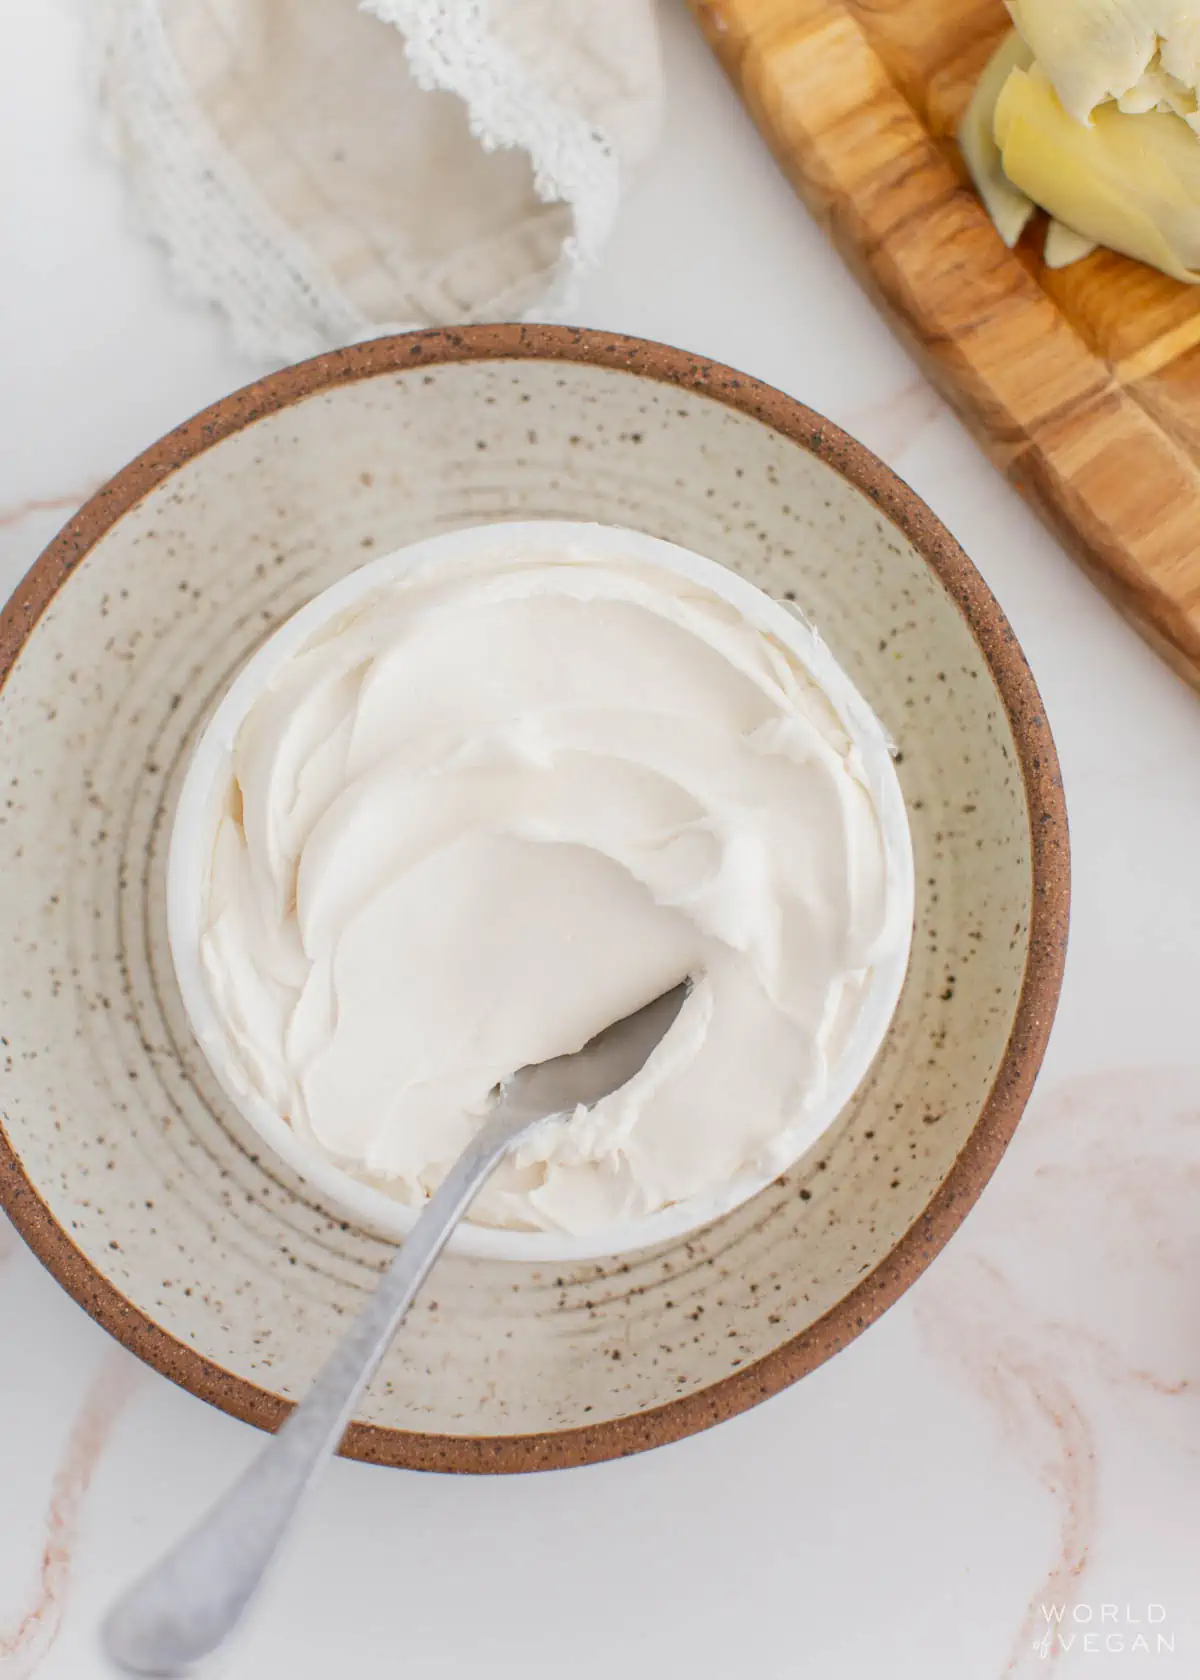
(109, 1107)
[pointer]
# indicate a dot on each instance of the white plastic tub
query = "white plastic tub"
(203, 795)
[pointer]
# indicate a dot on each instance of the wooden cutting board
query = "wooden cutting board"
(1082, 385)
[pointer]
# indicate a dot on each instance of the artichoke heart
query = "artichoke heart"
(1090, 111)
(1064, 246)
(1144, 55)
(1008, 207)
(1129, 182)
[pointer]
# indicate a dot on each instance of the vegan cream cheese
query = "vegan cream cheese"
(502, 801)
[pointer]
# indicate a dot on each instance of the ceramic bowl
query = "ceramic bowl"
(204, 795)
(121, 1160)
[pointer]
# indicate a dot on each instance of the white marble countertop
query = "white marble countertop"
(1021, 1431)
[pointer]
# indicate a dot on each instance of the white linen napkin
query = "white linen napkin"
(323, 172)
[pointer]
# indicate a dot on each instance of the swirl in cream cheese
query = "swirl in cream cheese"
(499, 804)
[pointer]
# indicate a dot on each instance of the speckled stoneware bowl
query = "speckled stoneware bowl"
(124, 1166)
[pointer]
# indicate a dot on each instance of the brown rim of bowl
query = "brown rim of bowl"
(1047, 933)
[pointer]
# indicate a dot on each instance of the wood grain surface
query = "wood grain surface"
(1083, 385)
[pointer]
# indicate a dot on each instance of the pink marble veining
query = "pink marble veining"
(979, 1324)
(67, 503)
(1074, 1335)
(25, 1643)
(891, 425)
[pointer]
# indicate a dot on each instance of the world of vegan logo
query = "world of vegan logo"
(1138, 1629)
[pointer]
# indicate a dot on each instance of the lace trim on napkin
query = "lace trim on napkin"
(451, 47)
(223, 244)
(227, 245)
